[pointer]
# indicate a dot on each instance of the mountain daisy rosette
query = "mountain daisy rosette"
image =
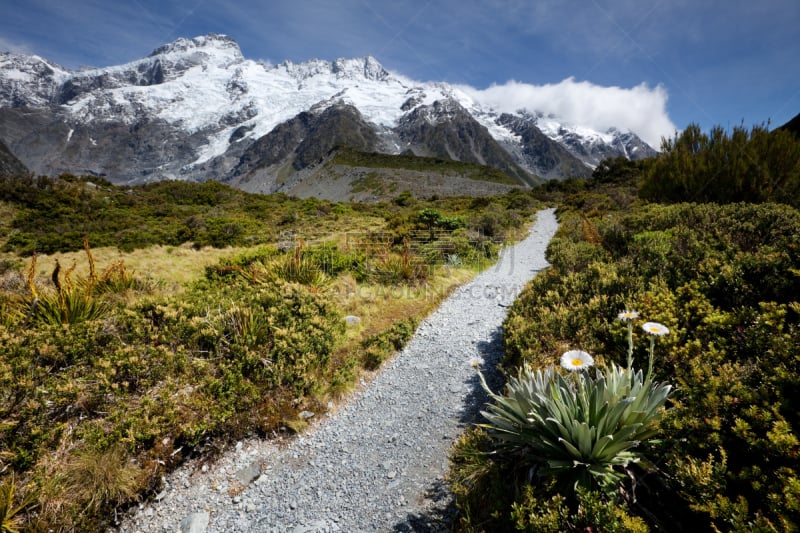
(583, 429)
(576, 360)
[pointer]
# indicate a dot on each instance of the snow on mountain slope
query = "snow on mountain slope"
(209, 86)
(206, 89)
(28, 80)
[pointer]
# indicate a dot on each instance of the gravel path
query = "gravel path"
(376, 464)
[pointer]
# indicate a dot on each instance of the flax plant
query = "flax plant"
(582, 428)
(68, 304)
(13, 507)
(298, 267)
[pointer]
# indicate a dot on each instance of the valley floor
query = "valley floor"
(377, 462)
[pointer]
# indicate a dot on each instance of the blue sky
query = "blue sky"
(712, 62)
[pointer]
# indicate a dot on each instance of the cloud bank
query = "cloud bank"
(640, 109)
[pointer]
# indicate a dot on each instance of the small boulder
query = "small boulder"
(195, 523)
(247, 475)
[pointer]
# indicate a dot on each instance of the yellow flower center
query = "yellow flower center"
(577, 362)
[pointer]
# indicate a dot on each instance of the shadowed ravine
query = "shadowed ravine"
(378, 462)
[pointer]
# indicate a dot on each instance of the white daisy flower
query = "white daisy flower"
(576, 360)
(655, 329)
(476, 361)
(628, 316)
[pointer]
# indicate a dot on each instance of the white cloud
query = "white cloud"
(640, 109)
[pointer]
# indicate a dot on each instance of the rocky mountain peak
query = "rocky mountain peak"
(28, 80)
(353, 69)
(29, 63)
(212, 43)
(442, 110)
(366, 67)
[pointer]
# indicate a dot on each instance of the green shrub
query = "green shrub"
(176, 370)
(332, 260)
(405, 199)
(53, 215)
(297, 267)
(741, 166)
(378, 348)
(9, 265)
(593, 512)
(467, 248)
(723, 280)
(392, 268)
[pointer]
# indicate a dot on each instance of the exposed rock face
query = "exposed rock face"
(123, 152)
(446, 129)
(300, 143)
(592, 151)
(539, 153)
(9, 164)
(196, 109)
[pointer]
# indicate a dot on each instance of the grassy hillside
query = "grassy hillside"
(167, 319)
(353, 158)
(56, 214)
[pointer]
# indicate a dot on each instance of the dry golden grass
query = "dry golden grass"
(172, 265)
(100, 477)
(78, 480)
(6, 217)
(380, 306)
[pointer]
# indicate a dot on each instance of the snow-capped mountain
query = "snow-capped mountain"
(197, 109)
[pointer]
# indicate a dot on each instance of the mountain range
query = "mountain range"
(197, 109)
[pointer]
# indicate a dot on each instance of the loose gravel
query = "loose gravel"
(377, 462)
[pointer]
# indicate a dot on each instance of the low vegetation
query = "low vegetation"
(111, 375)
(671, 304)
(354, 158)
(722, 279)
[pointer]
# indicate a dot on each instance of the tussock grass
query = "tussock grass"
(174, 266)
